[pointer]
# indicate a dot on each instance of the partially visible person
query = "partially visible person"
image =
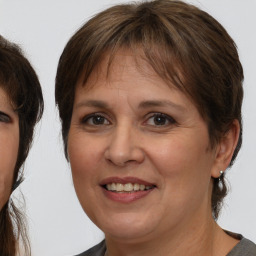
(21, 107)
(150, 97)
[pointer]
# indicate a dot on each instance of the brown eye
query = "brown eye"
(95, 119)
(98, 120)
(160, 119)
(4, 118)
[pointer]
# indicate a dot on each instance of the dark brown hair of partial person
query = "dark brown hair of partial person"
(185, 46)
(20, 82)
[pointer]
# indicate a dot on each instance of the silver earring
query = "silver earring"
(221, 173)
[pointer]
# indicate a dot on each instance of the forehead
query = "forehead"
(128, 78)
(120, 66)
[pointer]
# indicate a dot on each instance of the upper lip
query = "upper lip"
(125, 180)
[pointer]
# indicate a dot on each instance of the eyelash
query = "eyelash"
(102, 120)
(4, 118)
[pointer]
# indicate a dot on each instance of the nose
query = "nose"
(124, 147)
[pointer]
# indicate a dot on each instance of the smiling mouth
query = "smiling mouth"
(127, 187)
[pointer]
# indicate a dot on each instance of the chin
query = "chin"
(127, 226)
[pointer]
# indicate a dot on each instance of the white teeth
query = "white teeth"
(119, 187)
(142, 187)
(136, 187)
(113, 186)
(128, 187)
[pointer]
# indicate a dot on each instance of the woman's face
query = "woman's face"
(9, 144)
(140, 153)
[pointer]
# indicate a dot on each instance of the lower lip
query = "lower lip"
(126, 197)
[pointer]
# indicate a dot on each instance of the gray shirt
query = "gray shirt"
(244, 248)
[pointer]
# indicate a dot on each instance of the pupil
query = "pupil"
(159, 120)
(98, 120)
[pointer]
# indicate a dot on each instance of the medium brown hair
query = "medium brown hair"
(20, 82)
(185, 46)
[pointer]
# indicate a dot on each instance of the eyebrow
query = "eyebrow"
(161, 103)
(143, 104)
(92, 103)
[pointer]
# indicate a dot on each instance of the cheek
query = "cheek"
(84, 155)
(181, 154)
(184, 165)
(8, 157)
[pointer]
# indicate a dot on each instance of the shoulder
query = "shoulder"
(97, 250)
(244, 248)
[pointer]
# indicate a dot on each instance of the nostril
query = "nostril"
(114, 162)
(121, 164)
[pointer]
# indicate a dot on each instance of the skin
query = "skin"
(9, 143)
(173, 154)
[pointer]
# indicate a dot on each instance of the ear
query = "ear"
(225, 149)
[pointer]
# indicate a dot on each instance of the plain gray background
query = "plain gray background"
(58, 226)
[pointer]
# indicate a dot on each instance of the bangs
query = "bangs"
(146, 38)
